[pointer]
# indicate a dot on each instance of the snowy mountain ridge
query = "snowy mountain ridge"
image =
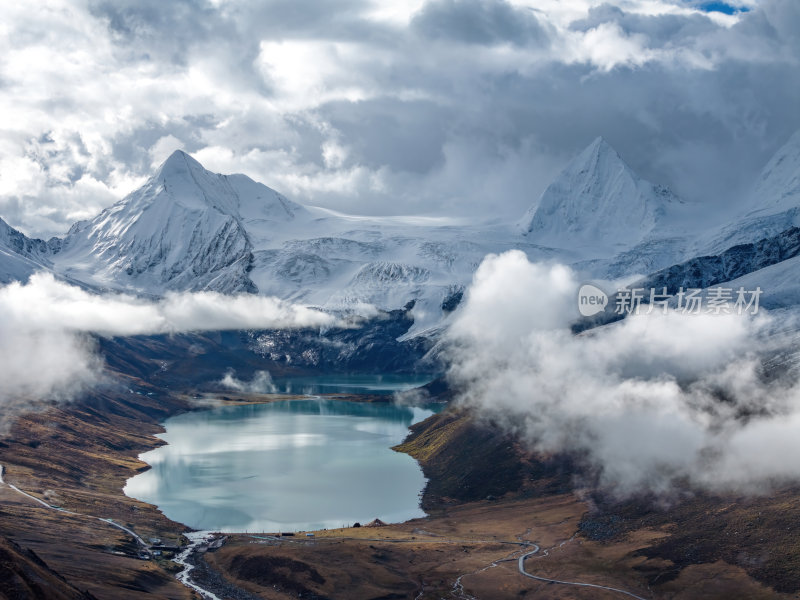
(187, 228)
(773, 204)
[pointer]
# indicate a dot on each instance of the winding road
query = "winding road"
(458, 587)
(198, 538)
(182, 558)
(111, 522)
(536, 549)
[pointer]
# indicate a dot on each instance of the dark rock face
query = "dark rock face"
(190, 361)
(21, 244)
(705, 271)
(370, 347)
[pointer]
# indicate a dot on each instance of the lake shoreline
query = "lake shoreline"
(212, 399)
(82, 451)
(245, 440)
(198, 574)
(87, 469)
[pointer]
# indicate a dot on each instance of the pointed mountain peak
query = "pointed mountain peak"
(182, 183)
(597, 155)
(177, 163)
(596, 201)
(600, 143)
(187, 182)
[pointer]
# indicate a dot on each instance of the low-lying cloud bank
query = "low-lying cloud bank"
(46, 346)
(649, 403)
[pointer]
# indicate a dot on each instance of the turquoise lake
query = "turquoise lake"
(293, 465)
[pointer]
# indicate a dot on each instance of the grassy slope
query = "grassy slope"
(79, 456)
(24, 575)
(467, 460)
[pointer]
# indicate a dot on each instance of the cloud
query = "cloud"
(260, 384)
(44, 365)
(403, 106)
(648, 403)
(45, 303)
(493, 22)
(47, 350)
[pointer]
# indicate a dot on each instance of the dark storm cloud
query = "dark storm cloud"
(490, 22)
(407, 135)
(152, 30)
(664, 29)
(310, 19)
(702, 132)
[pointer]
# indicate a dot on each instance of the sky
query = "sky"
(441, 107)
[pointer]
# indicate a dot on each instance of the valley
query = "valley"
(489, 502)
(400, 300)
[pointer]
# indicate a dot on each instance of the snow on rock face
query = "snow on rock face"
(21, 256)
(16, 267)
(19, 243)
(388, 273)
(774, 204)
(190, 229)
(596, 202)
(183, 230)
(778, 186)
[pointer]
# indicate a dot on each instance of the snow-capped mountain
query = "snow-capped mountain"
(185, 229)
(190, 229)
(611, 220)
(773, 205)
(21, 256)
(597, 203)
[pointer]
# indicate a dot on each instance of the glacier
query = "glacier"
(188, 229)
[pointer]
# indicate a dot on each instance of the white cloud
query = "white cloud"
(646, 401)
(46, 352)
(260, 384)
(163, 148)
(607, 46)
(94, 93)
(398, 12)
(306, 73)
(45, 303)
